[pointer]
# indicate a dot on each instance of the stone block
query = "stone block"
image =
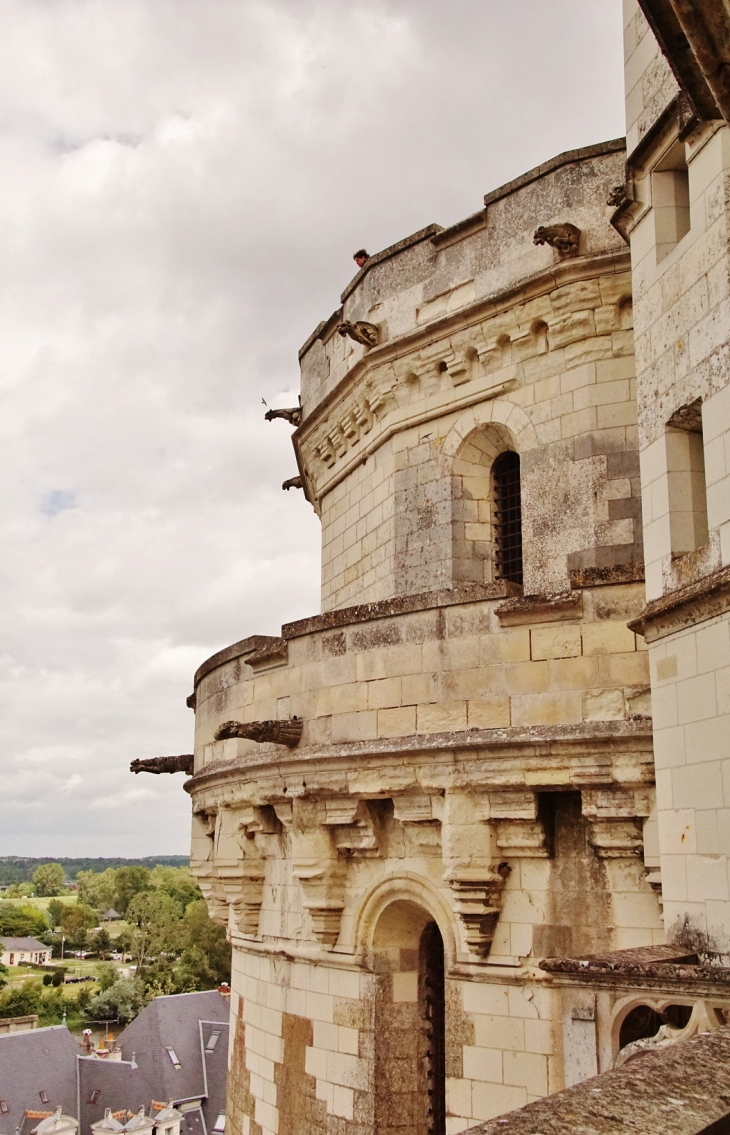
(547, 709)
(489, 1100)
(607, 637)
(488, 713)
(354, 726)
(506, 1033)
(528, 1070)
(555, 642)
(442, 717)
(384, 694)
(483, 998)
(603, 705)
(483, 1064)
(397, 722)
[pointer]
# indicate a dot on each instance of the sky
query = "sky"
(183, 185)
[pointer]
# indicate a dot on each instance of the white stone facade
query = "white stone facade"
(678, 224)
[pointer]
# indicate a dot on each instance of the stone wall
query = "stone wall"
(677, 220)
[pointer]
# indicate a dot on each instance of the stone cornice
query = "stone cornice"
(677, 610)
(393, 350)
(535, 756)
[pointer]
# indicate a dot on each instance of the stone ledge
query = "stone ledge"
(695, 603)
(242, 649)
(678, 1091)
(540, 608)
(597, 150)
(544, 744)
(606, 576)
(399, 605)
(648, 965)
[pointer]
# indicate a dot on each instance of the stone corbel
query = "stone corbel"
(615, 816)
(520, 834)
(353, 827)
(318, 868)
(478, 900)
(240, 862)
(421, 815)
(474, 874)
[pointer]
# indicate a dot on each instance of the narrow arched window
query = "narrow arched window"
(507, 517)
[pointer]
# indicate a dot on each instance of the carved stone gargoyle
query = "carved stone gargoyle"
(157, 765)
(277, 732)
(293, 483)
(361, 332)
(618, 196)
(293, 415)
(564, 238)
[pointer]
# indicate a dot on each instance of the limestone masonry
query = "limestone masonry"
(435, 818)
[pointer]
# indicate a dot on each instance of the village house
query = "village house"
(20, 951)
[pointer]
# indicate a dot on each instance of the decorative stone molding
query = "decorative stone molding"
(275, 732)
(540, 608)
(564, 238)
(361, 331)
(616, 838)
(293, 415)
(184, 763)
(232, 881)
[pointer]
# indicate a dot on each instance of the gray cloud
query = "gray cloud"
(184, 184)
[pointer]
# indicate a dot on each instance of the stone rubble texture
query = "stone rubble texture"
(475, 753)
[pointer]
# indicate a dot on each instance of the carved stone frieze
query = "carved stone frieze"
(564, 238)
(361, 331)
(288, 732)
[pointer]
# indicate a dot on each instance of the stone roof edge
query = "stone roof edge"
(386, 254)
(694, 603)
(268, 645)
(583, 153)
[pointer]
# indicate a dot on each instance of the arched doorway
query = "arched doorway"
(410, 1024)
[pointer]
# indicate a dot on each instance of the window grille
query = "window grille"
(507, 517)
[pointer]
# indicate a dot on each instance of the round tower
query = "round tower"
(402, 804)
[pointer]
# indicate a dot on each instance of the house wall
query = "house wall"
(682, 328)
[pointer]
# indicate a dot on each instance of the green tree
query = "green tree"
(195, 971)
(49, 879)
(130, 881)
(20, 1002)
(102, 942)
(98, 888)
(76, 921)
(178, 883)
(107, 974)
(21, 921)
(210, 938)
(156, 925)
(58, 977)
(54, 912)
(121, 1002)
(3, 975)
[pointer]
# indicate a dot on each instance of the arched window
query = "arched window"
(507, 517)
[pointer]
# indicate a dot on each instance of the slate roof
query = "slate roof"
(120, 1084)
(23, 944)
(40, 1060)
(174, 1022)
(216, 1069)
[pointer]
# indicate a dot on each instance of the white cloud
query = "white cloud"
(184, 184)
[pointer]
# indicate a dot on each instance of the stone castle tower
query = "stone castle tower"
(403, 804)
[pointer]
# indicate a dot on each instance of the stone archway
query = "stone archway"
(407, 954)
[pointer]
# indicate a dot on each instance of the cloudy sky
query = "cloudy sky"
(183, 185)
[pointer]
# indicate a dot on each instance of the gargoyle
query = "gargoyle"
(293, 483)
(293, 416)
(157, 765)
(564, 238)
(361, 332)
(617, 196)
(288, 732)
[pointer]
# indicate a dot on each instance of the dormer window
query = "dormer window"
(173, 1057)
